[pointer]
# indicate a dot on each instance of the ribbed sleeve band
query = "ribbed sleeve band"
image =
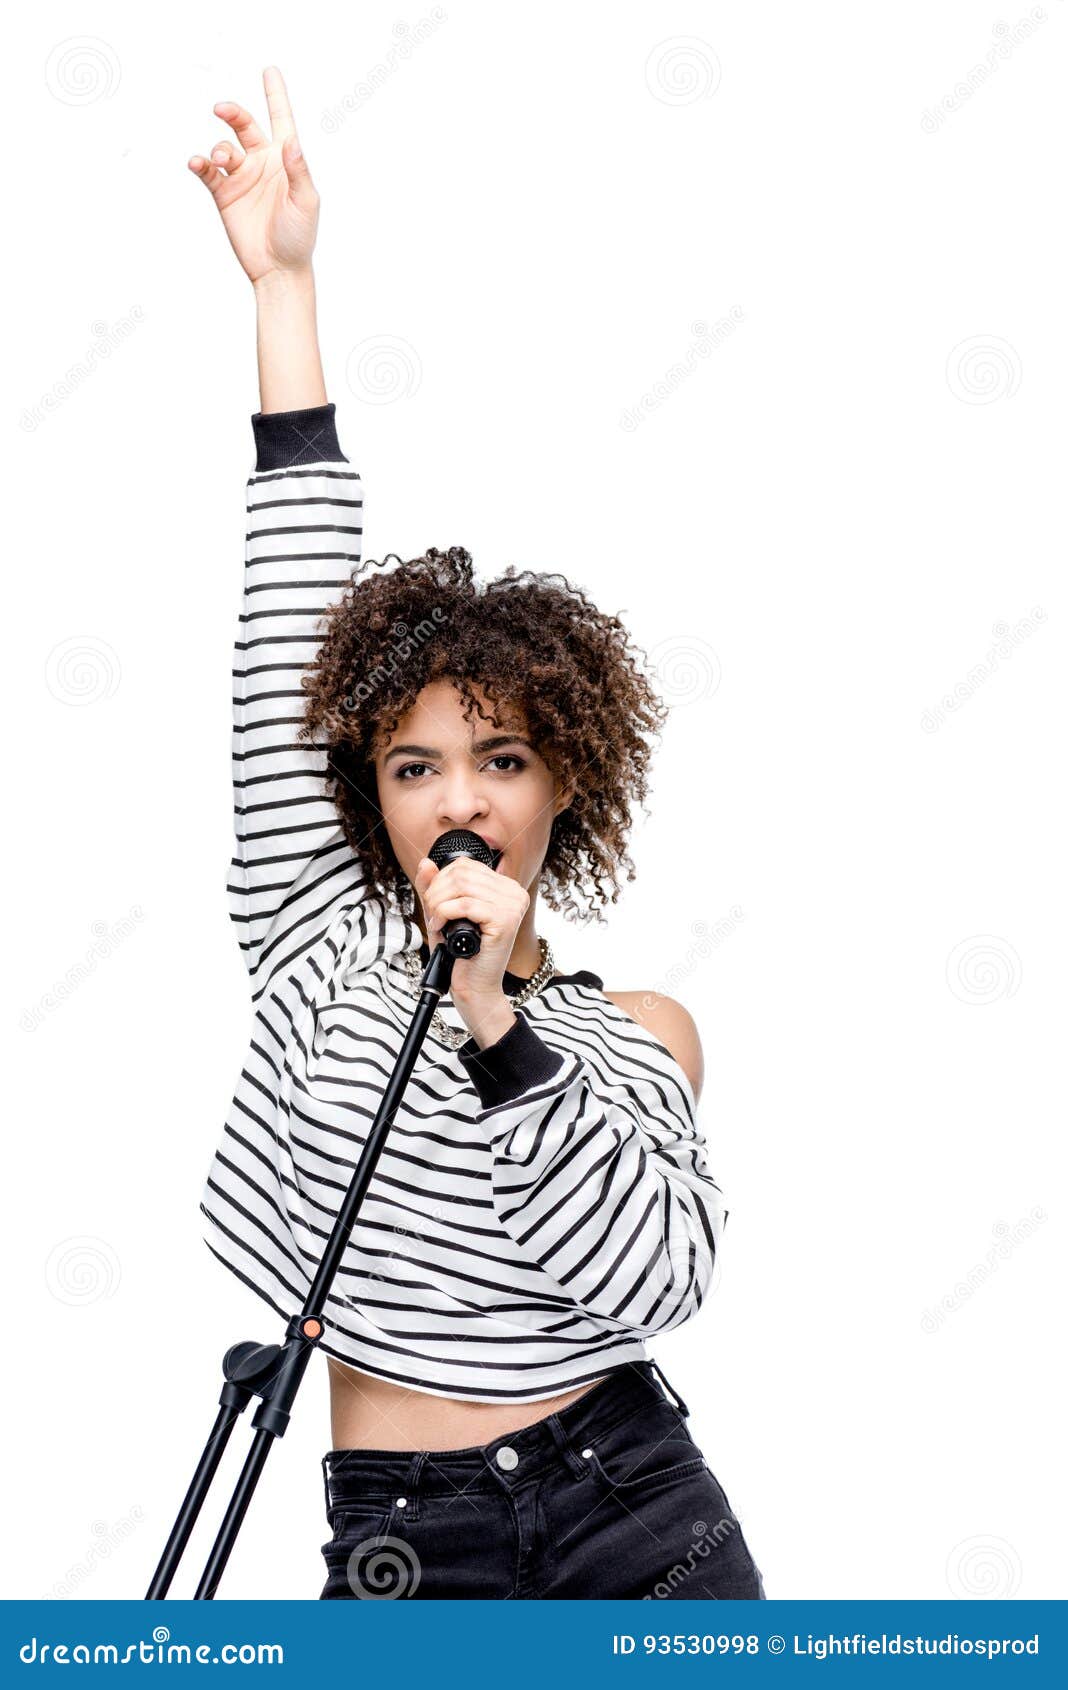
(518, 1060)
(285, 439)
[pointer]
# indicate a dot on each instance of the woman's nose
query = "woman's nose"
(461, 803)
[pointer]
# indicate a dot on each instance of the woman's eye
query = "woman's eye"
(413, 770)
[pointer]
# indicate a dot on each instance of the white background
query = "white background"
(813, 523)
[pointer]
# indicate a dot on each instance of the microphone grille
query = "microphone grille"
(462, 842)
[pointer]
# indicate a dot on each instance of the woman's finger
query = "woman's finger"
(301, 185)
(466, 904)
(227, 156)
(209, 175)
(242, 123)
(464, 876)
(469, 870)
(277, 104)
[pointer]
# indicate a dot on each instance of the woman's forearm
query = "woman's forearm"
(287, 342)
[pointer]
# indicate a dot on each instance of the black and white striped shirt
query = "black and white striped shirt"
(540, 1208)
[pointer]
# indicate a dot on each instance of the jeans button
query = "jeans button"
(507, 1457)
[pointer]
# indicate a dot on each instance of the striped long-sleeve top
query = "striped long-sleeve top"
(541, 1208)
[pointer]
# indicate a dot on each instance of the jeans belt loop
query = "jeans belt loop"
(578, 1467)
(411, 1492)
(672, 1393)
(326, 1482)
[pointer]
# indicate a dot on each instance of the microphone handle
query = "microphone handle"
(461, 936)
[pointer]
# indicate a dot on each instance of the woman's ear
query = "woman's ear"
(565, 797)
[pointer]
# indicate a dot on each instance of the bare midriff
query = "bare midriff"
(371, 1413)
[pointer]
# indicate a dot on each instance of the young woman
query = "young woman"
(542, 1206)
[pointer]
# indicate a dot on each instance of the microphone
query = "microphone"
(461, 936)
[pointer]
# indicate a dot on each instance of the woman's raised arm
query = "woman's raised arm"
(293, 870)
(269, 207)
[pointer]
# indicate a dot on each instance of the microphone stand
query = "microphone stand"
(274, 1371)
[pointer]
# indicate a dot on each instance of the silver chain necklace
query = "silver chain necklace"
(454, 1037)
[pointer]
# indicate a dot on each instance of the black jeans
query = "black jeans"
(609, 1497)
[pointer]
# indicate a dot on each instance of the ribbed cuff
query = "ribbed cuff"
(503, 1071)
(287, 438)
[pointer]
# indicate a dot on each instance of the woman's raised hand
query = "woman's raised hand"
(263, 188)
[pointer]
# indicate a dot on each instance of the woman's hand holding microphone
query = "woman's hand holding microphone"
(497, 905)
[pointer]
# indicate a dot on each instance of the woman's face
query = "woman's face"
(438, 771)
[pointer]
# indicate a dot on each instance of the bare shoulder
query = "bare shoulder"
(671, 1023)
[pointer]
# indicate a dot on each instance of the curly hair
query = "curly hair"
(528, 640)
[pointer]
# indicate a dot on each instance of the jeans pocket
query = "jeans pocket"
(643, 1482)
(648, 1450)
(353, 1524)
(367, 1558)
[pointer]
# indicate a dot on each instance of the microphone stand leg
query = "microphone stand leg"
(274, 1371)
